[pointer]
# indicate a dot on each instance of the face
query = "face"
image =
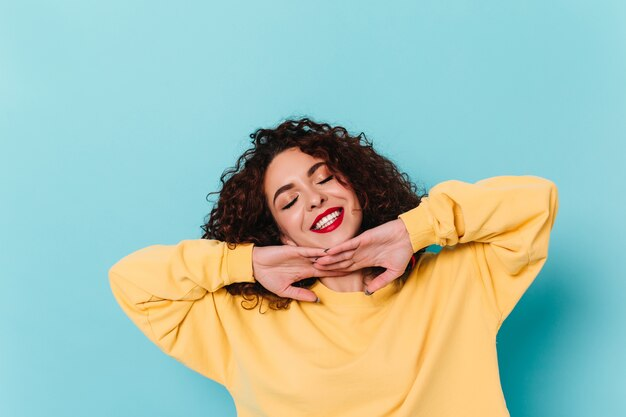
(311, 207)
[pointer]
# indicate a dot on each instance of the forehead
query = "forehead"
(288, 164)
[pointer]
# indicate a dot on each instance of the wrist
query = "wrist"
(239, 263)
(417, 222)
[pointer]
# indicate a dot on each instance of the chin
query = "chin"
(333, 240)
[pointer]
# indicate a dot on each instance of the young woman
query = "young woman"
(327, 238)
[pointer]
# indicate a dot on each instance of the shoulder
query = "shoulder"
(442, 268)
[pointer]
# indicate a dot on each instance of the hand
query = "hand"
(277, 267)
(387, 246)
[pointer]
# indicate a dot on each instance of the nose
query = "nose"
(316, 199)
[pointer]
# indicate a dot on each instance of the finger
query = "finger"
(331, 259)
(301, 294)
(347, 265)
(320, 273)
(311, 252)
(351, 244)
(381, 281)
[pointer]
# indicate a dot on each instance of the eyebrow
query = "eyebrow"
(289, 186)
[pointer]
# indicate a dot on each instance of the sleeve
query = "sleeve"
(171, 293)
(507, 222)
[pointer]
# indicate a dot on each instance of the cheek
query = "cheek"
(358, 213)
(358, 218)
(288, 222)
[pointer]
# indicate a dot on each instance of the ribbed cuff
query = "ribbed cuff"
(239, 263)
(418, 223)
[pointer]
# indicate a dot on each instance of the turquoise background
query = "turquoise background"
(117, 118)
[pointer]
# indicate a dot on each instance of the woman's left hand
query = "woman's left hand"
(387, 246)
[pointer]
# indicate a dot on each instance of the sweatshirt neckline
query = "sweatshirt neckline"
(328, 296)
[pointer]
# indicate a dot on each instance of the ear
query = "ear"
(286, 240)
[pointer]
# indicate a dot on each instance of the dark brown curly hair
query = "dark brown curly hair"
(242, 215)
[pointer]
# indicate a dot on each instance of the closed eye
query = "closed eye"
(326, 179)
(290, 204)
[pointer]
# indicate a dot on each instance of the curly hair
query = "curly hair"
(242, 215)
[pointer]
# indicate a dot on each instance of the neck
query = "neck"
(352, 282)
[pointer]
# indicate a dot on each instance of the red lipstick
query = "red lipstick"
(335, 223)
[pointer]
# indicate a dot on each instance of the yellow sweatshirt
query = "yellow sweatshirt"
(427, 349)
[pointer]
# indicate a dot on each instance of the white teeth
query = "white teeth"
(327, 220)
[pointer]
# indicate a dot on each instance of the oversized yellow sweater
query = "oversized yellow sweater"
(427, 349)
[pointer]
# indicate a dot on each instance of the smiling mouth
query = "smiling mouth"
(329, 222)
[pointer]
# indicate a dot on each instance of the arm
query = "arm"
(506, 219)
(174, 294)
(171, 293)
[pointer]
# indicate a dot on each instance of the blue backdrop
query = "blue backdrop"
(117, 118)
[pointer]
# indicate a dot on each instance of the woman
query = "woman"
(315, 223)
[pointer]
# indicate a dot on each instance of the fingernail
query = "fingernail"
(317, 300)
(315, 260)
(326, 250)
(367, 292)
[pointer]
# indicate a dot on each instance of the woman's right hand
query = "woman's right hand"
(277, 267)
